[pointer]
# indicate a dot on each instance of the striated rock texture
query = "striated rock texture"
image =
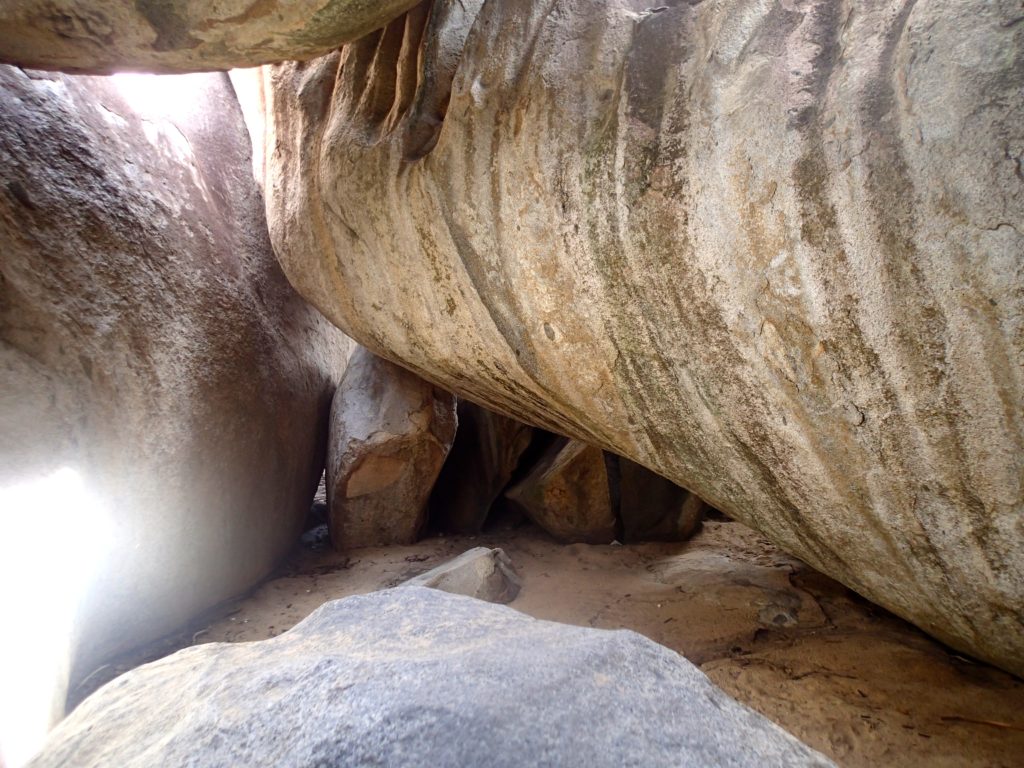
(483, 459)
(369, 681)
(102, 36)
(568, 495)
(772, 251)
(389, 435)
(163, 391)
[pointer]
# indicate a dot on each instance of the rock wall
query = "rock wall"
(163, 391)
(772, 251)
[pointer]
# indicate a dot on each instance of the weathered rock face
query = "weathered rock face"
(163, 391)
(102, 36)
(390, 432)
(482, 461)
(651, 507)
(567, 494)
(527, 692)
(772, 251)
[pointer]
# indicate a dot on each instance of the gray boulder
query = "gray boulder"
(486, 574)
(390, 432)
(414, 676)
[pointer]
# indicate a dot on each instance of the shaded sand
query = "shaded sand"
(845, 676)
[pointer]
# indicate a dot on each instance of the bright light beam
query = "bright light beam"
(54, 534)
(159, 95)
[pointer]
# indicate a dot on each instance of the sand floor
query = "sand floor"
(841, 674)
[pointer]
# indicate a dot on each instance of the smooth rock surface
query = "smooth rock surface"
(482, 573)
(651, 507)
(772, 251)
(102, 36)
(390, 432)
(567, 494)
(414, 676)
(483, 459)
(163, 391)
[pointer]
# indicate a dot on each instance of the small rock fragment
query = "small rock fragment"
(486, 574)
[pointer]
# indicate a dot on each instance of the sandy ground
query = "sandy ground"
(843, 675)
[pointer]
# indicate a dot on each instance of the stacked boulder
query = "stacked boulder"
(651, 507)
(771, 250)
(579, 493)
(387, 471)
(567, 493)
(487, 451)
(390, 432)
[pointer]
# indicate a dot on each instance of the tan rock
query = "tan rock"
(102, 36)
(771, 251)
(414, 676)
(163, 391)
(567, 494)
(390, 432)
(482, 461)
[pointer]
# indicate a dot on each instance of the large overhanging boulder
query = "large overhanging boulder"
(101, 36)
(772, 251)
(164, 392)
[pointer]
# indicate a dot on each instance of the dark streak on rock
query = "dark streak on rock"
(172, 29)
